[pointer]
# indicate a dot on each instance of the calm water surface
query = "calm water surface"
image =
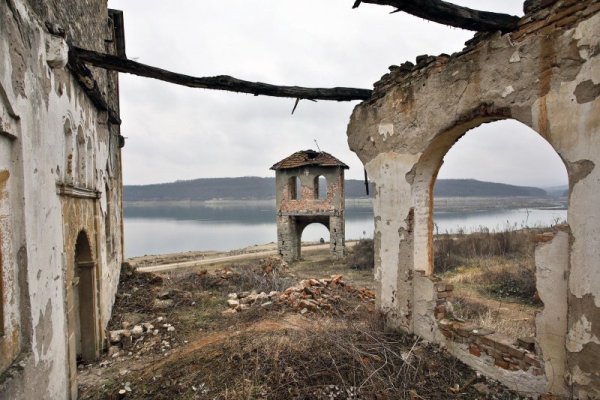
(168, 229)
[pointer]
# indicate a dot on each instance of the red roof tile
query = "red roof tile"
(309, 158)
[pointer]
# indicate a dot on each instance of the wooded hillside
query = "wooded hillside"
(255, 188)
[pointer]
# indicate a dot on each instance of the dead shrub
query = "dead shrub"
(250, 278)
(263, 275)
(498, 278)
(516, 282)
(362, 255)
(136, 291)
(454, 250)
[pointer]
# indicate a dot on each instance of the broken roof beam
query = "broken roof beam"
(451, 14)
(221, 82)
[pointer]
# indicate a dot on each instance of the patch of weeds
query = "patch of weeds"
(361, 256)
(334, 360)
(247, 277)
(454, 250)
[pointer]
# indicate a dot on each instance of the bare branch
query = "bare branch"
(451, 14)
(221, 82)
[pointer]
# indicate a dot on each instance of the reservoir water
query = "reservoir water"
(159, 229)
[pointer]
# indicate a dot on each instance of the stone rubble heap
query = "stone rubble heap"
(139, 337)
(309, 295)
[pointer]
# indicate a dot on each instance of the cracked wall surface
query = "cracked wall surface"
(60, 167)
(546, 76)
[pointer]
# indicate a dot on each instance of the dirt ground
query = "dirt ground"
(260, 329)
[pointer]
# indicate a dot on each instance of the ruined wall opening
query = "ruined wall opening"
(295, 188)
(313, 233)
(320, 187)
(500, 188)
(84, 298)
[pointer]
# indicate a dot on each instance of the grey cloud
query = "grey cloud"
(182, 133)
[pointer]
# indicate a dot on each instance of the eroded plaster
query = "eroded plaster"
(544, 75)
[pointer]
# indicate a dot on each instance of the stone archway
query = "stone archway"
(303, 223)
(84, 295)
(548, 357)
(82, 308)
(542, 79)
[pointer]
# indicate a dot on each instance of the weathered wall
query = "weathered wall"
(545, 75)
(552, 267)
(58, 154)
(294, 214)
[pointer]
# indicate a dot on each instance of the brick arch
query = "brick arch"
(303, 224)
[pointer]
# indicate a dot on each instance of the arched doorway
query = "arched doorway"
(313, 230)
(499, 187)
(548, 328)
(84, 313)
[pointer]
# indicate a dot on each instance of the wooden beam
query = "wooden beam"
(450, 14)
(221, 82)
(86, 79)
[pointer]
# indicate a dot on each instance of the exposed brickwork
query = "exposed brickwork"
(543, 75)
(481, 341)
(299, 205)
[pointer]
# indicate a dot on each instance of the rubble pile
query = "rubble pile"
(140, 338)
(271, 265)
(309, 295)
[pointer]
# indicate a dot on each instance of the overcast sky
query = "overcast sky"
(176, 132)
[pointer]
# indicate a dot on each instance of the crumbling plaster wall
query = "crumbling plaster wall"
(545, 75)
(293, 215)
(552, 267)
(40, 211)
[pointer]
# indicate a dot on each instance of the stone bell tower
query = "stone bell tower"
(309, 189)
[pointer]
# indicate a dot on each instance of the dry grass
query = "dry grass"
(362, 255)
(455, 250)
(508, 280)
(493, 274)
(318, 359)
(275, 352)
(511, 320)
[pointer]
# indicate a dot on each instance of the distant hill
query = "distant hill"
(557, 191)
(474, 188)
(255, 188)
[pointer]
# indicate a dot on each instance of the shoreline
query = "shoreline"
(191, 259)
(441, 204)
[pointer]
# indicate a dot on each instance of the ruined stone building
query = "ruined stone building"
(60, 194)
(300, 201)
(545, 74)
(61, 243)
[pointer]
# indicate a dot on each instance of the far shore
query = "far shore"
(444, 204)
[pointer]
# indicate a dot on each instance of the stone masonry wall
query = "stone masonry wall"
(294, 214)
(58, 156)
(545, 75)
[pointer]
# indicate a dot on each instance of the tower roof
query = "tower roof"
(309, 158)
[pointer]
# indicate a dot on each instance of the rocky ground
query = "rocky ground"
(265, 330)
